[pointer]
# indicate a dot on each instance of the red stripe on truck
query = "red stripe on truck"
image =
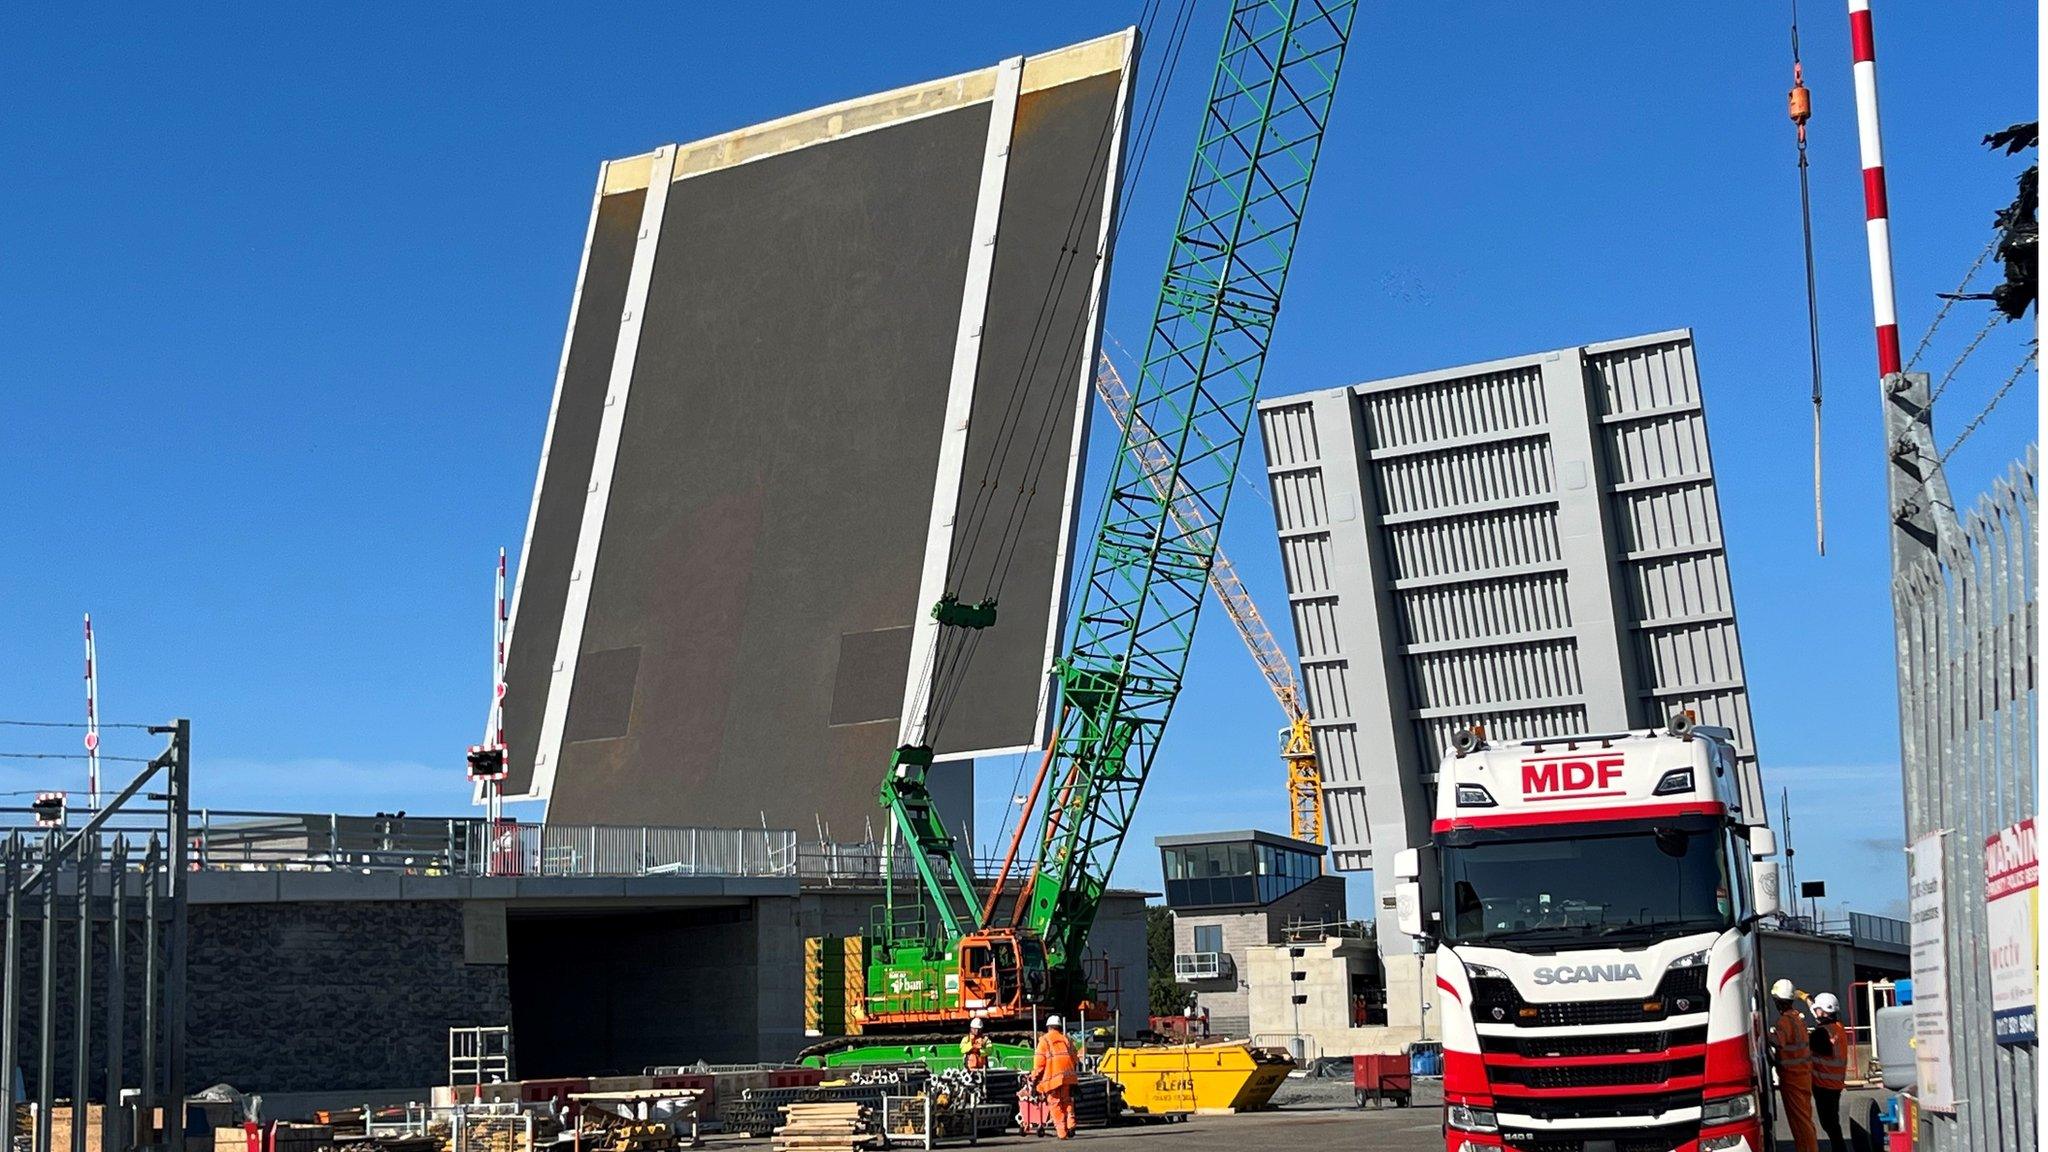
(1729, 1069)
(1510, 1060)
(1580, 815)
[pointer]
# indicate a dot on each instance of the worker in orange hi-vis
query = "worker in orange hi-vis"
(1794, 1060)
(974, 1049)
(1054, 1072)
(1831, 1044)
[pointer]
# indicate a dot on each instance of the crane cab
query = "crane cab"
(1002, 973)
(996, 973)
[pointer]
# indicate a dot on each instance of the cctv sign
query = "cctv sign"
(1571, 777)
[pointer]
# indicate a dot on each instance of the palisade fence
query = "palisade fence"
(1965, 612)
(92, 969)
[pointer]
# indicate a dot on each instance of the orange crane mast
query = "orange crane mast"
(1297, 740)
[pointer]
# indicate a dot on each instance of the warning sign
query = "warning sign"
(1927, 905)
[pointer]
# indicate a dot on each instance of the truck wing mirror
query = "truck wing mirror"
(1763, 890)
(1763, 843)
(1408, 864)
(1408, 907)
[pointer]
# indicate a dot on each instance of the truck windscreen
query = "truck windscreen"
(1568, 885)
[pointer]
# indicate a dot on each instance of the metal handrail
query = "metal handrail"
(252, 841)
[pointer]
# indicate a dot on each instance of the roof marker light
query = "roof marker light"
(1675, 781)
(1474, 796)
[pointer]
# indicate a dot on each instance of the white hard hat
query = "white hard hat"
(1782, 990)
(975, 1023)
(1826, 1004)
(1053, 1022)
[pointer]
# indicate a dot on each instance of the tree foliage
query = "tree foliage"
(2018, 225)
(1166, 997)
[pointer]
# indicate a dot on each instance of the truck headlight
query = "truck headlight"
(1727, 1111)
(1484, 971)
(1724, 1142)
(1690, 960)
(1471, 1119)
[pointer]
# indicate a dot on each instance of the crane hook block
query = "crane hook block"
(1799, 104)
(951, 613)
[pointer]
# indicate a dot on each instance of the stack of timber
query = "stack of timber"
(825, 1127)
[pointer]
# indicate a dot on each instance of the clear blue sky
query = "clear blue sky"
(283, 288)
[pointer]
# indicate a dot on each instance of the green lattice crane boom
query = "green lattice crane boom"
(1255, 158)
(1226, 273)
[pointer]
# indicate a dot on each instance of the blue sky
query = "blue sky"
(282, 294)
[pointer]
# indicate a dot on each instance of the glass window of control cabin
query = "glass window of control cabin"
(1240, 860)
(1176, 864)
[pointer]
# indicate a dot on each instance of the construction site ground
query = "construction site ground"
(1319, 1114)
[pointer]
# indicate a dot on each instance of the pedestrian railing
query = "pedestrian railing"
(247, 841)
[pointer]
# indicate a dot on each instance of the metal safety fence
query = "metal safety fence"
(1965, 612)
(92, 966)
(456, 846)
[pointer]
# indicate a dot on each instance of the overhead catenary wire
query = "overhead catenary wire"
(71, 724)
(71, 756)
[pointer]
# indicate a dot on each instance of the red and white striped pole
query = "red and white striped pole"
(92, 721)
(1876, 209)
(493, 789)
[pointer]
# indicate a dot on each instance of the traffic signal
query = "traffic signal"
(486, 763)
(49, 809)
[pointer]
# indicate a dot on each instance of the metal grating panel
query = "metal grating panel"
(1533, 544)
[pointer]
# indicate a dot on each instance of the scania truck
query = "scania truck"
(1593, 902)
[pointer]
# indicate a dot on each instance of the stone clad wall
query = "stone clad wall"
(330, 996)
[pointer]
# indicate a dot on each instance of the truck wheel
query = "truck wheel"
(1359, 1095)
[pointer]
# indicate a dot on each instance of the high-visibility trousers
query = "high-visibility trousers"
(1798, 1101)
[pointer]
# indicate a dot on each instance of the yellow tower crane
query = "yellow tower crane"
(1297, 740)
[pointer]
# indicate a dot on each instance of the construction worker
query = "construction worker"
(1830, 1043)
(1794, 1059)
(974, 1048)
(1054, 1072)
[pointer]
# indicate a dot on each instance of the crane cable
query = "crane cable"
(1799, 105)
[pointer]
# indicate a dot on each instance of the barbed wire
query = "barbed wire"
(1977, 421)
(1968, 349)
(1948, 301)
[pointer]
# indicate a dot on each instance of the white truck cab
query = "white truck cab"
(1592, 900)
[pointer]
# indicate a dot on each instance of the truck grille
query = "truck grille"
(1636, 1140)
(1538, 1047)
(1567, 1108)
(1495, 999)
(1598, 1075)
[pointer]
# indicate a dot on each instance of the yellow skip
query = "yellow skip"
(1223, 1077)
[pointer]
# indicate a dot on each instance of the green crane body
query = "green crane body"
(1256, 155)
